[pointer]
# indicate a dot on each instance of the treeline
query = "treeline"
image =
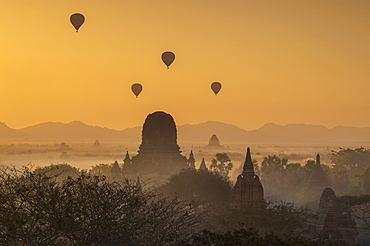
(349, 173)
(38, 209)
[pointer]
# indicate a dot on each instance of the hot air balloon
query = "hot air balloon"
(168, 57)
(77, 20)
(136, 89)
(216, 87)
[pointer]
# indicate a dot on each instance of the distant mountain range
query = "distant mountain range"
(198, 133)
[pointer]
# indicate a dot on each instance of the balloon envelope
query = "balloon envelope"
(168, 57)
(216, 87)
(136, 89)
(77, 20)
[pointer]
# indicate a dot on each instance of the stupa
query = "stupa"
(248, 187)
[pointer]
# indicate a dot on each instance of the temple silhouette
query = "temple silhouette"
(158, 156)
(248, 187)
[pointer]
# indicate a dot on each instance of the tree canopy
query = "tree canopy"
(203, 186)
(89, 210)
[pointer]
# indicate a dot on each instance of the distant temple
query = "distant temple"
(214, 143)
(191, 160)
(64, 146)
(158, 154)
(248, 187)
(203, 166)
(96, 143)
(317, 181)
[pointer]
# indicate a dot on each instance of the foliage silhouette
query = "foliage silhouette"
(88, 210)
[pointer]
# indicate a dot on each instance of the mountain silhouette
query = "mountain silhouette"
(9, 134)
(78, 130)
(197, 133)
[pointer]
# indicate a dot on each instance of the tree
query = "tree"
(89, 210)
(222, 164)
(272, 168)
(357, 206)
(252, 237)
(271, 216)
(59, 171)
(366, 180)
(354, 160)
(340, 179)
(203, 186)
(102, 169)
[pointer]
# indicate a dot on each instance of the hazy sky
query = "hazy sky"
(283, 61)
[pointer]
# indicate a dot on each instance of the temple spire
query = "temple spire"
(318, 160)
(191, 160)
(203, 166)
(127, 160)
(248, 168)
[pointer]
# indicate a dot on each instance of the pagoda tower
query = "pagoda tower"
(317, 182)
(317, 178)
(330, 228)
(191, 160)
(127, 160)
(248, 187)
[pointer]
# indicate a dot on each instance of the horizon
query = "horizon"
(130, 127)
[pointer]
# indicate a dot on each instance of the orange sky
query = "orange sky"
(283, 61)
